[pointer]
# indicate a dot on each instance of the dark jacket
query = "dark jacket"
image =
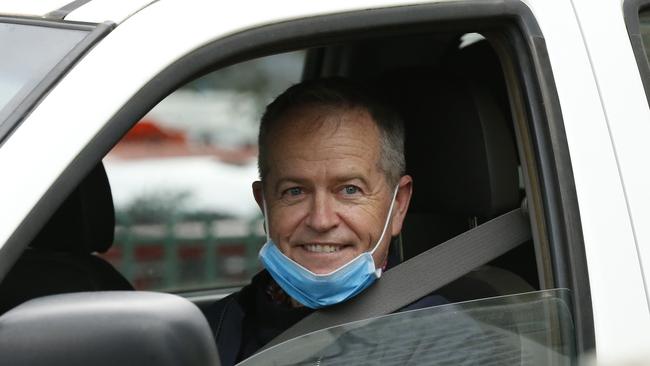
(245, 321)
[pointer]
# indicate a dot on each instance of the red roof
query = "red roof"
(149, 131)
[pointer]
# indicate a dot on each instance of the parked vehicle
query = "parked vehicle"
(511, 105)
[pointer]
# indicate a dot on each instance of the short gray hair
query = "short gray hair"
(339, 94)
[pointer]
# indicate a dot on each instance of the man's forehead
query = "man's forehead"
(317, 123)
(300, 161)
(345, 142)
(314, 118)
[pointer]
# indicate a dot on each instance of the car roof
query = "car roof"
(92, 11)
(38, 8)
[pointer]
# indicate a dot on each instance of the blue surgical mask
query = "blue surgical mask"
(319, 290)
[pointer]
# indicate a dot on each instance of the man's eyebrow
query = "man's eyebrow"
(304, 181)
(284, 180)
(351, 177)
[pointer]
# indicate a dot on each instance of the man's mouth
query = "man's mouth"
(322, 248)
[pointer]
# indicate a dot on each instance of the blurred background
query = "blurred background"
(181, 180)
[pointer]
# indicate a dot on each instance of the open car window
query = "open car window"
(533, 328)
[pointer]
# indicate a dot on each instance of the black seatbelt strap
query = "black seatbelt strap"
(421, 275)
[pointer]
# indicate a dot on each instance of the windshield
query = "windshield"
(29, 52)
(534, 328)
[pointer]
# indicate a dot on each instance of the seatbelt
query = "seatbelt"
(421, 275)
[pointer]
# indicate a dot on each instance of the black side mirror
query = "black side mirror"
(107, 328)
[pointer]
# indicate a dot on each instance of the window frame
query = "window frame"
(556, 213)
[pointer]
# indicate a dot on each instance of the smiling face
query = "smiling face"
(327, 198)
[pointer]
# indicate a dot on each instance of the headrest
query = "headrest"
(459, 148)
(85, 221)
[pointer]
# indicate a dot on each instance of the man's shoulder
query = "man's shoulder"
(425, 302)
(216, 313)
(233, 308)
(226, 318)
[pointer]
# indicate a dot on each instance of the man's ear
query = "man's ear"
(258, 194)
(402, 201)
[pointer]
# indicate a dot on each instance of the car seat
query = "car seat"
(461, 154)
(62, 256)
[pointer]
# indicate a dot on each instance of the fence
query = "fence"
(186, 253)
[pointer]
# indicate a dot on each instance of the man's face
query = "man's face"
(327, 199)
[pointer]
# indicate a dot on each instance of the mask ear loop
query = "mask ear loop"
(266, 217)
(390, 212)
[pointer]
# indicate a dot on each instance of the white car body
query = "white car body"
(604, 110)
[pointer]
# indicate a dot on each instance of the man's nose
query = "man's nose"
(322, 215)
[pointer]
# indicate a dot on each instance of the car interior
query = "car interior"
(460, 143)
(462, 155)
(62, 258)
(460, 149)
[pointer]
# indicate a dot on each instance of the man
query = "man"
(333, 191)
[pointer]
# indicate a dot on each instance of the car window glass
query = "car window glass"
(534, 328)
(34, 51)
(181, 180)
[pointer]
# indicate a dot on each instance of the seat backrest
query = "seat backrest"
(461, 153)
(61, 258)
(85, 221)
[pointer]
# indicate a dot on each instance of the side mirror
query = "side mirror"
(107, 328)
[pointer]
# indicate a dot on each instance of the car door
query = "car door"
(617, 60)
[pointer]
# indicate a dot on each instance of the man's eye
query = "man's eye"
(351, 190)
(295, 191)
